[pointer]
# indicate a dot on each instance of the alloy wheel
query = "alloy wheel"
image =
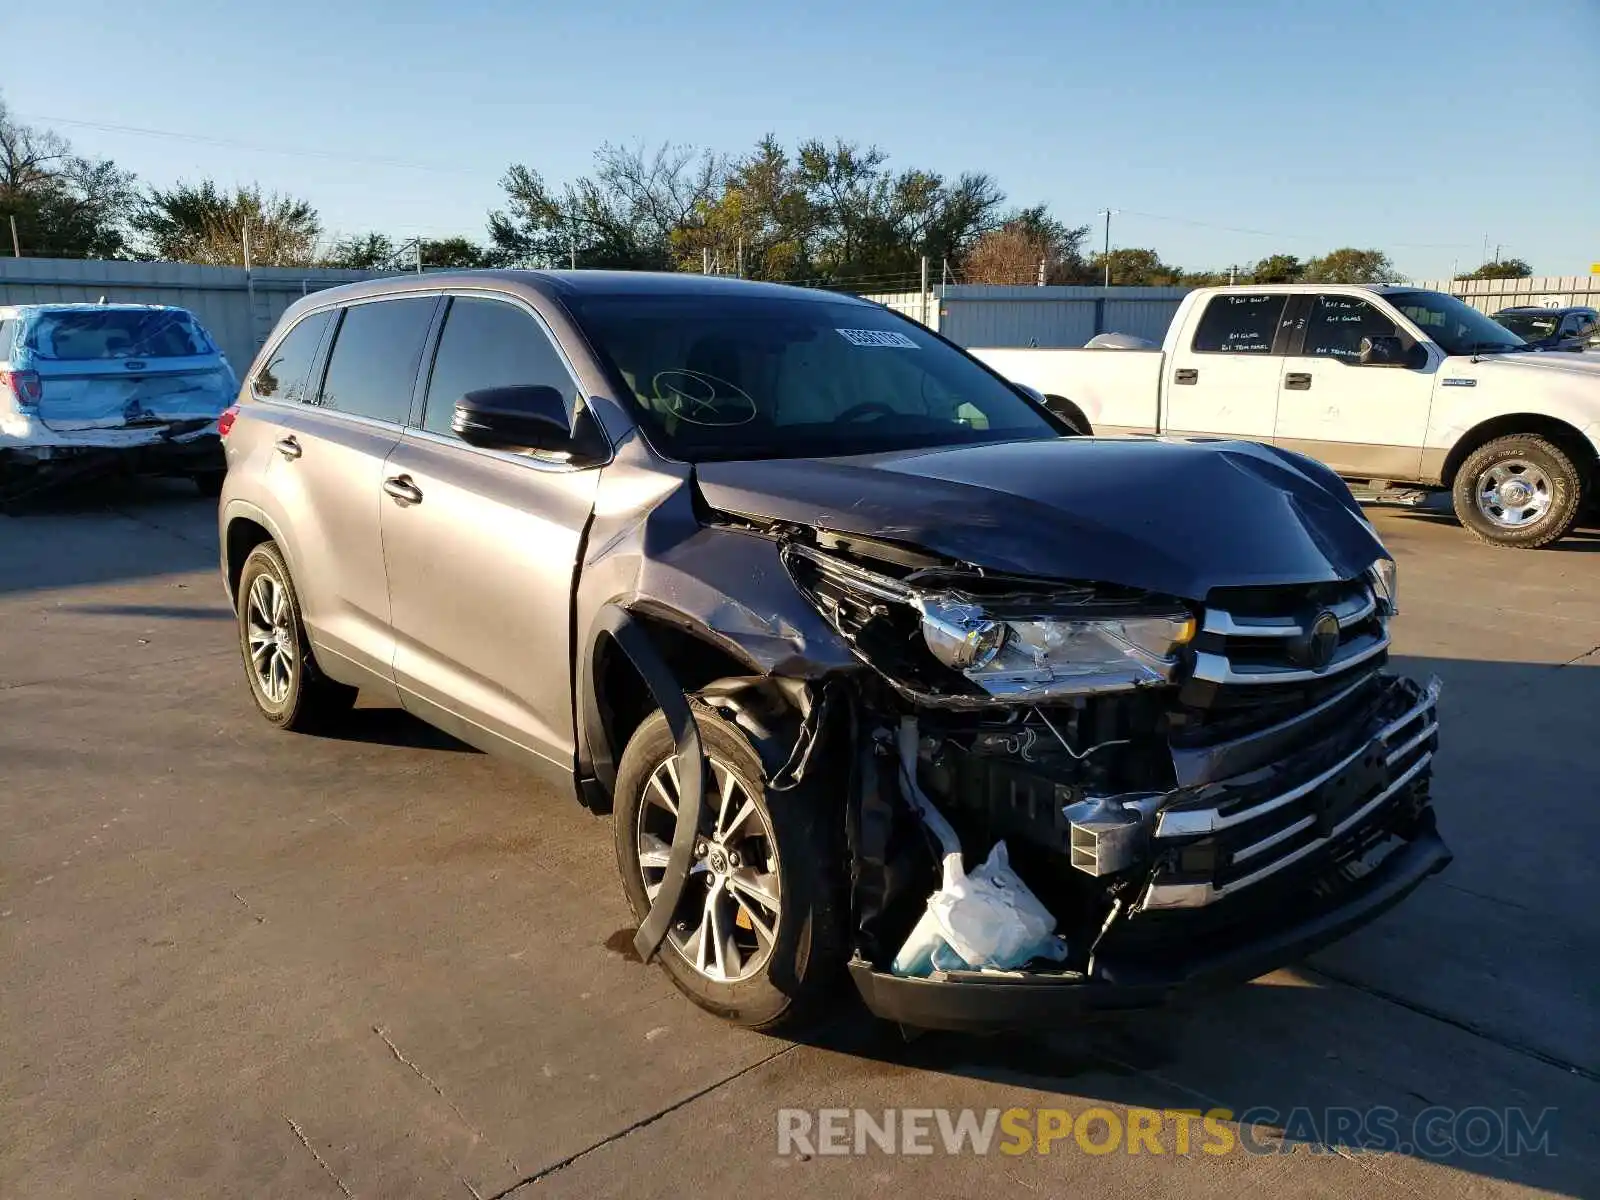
(727, 920)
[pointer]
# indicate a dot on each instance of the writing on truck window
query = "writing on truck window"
(1239, 324)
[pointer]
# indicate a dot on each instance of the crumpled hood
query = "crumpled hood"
(1167, 515)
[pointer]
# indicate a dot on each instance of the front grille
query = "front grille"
(1255, 641)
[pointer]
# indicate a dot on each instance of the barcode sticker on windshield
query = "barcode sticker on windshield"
(877, 337)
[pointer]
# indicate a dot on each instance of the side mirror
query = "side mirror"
(531, 417)
(1384, 350)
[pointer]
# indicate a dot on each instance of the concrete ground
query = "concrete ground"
(235, 962)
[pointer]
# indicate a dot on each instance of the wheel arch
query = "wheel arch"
(243, 533)
(1565, 435)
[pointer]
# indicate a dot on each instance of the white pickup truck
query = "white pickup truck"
(1387, 385)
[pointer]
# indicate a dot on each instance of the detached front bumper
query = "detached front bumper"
(975, 1001)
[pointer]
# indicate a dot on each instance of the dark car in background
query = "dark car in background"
(90, 387)
(1572, 328)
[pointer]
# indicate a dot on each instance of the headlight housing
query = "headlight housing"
(1385, 576)
(1046, 656)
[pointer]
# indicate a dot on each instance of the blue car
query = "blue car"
(126, 386)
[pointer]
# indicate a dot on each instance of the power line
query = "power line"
(1133, 212)
(230, 143)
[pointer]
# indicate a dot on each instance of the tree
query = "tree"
(453, 252)
(1350, 265)
(362, 252)
(1135, 268)
(199, 223)
(1278, 268)
(63, 204)
(828, 212)
(624, 217)
(1506, 268)
(1029, 239)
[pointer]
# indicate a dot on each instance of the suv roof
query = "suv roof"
(590, 283)
(1539, 308)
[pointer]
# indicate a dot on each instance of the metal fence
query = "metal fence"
(1541, 291)
(239, 308)
(1046, 317)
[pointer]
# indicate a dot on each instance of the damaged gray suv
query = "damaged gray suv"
(822, 610)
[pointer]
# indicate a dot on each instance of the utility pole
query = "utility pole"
(1043, 267)
(572, 252)
(740, 260)
(705, 260)
(1233, 274)
(1108, 213)
(249, 283)
(16, 246)
(925, 290)
(1485, 257)
(419, 256)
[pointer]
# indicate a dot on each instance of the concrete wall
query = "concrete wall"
(220, 296)
(1045, 317)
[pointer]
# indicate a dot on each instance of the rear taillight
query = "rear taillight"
(26, 386)
(225, 421)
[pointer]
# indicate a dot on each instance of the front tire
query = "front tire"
(757, 937)
(1521, 492)
(288, 687)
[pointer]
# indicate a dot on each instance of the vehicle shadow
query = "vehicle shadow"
(106, 531)
(1286, 1063)
(1584, 538)
(392, 727)
(163, 612)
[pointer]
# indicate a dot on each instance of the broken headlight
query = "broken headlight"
(1040, 657)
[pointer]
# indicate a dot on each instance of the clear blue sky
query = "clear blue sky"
(1415, 125)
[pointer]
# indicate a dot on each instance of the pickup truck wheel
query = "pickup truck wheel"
(756, 938)
(289, 689)
(1519, 491)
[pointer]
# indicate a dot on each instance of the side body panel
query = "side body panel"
(481, 574)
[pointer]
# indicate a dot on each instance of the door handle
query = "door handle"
(402, 489)
(1186, 375)
(289, 447)
(1297, 381)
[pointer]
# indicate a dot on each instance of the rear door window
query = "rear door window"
(1337, 324)
(1246, 323)
(283, 375)
(7, 329)
(486, 344)
(373, 367)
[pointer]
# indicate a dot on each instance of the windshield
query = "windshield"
(723, 377)
(1458, 328)
(87, 335)
(1531, 326)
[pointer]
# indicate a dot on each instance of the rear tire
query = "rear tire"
(288, 687)
(783, 848)
(1520, 492)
